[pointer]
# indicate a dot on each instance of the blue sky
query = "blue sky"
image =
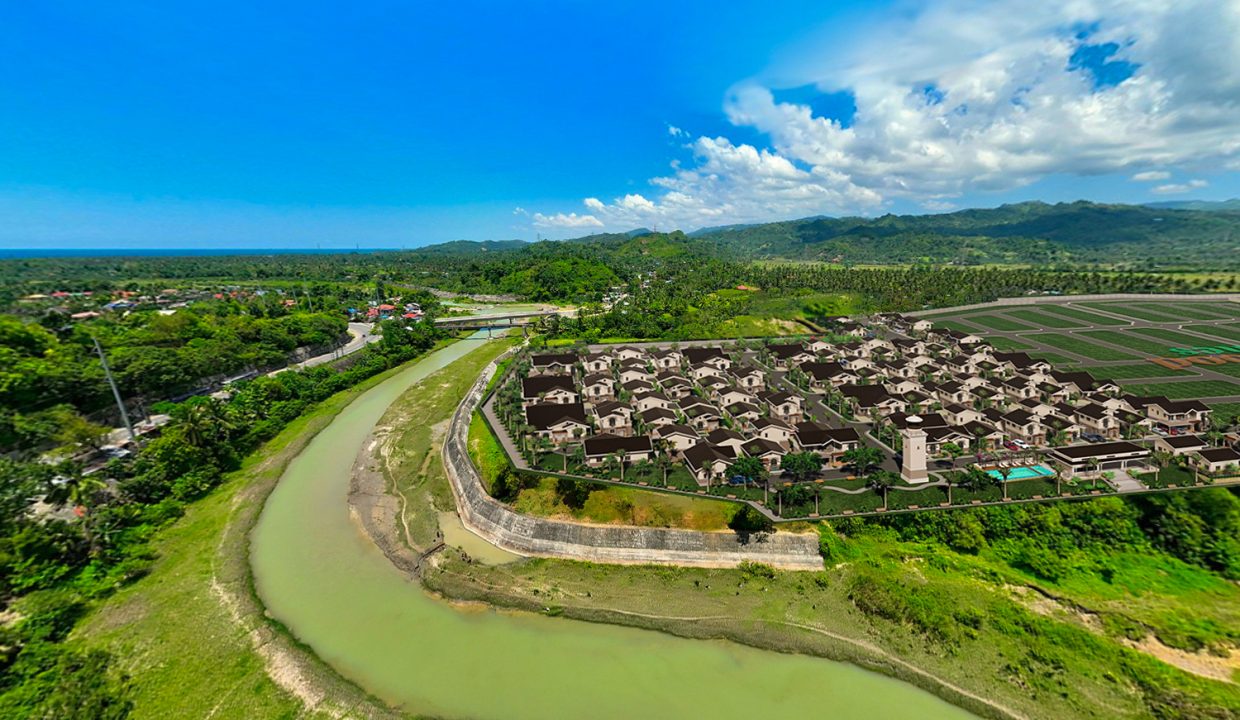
(386, 124)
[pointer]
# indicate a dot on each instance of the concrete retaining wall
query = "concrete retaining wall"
(500, 525)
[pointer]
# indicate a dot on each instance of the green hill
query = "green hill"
(1031, 232)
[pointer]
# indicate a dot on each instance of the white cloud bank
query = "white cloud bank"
(967, 95)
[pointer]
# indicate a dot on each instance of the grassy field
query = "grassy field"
(1129, 339)
(959, 326)
(1080, 346)
(1179, 310)
(1007, 344)
(999, 322)
(1053, 358)
(1226, 410)
(1132, 311)
(1223, 309)
(1046, 320)
(1185, 390)
(1088, 318)
(1134, 371)
(1226, 332)
(1171, 336)
(187, 631)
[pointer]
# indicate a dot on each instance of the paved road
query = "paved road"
(360, 335)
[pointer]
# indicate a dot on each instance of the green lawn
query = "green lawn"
(1128, 339)
(998, 322)
(1134, 371)
(1079, 346)
(1086, 317)
(1134, 312)
(1053, 358)
(1180, 338)
(1218, 309)
(1185, 390)
(958, 326)
(1007, 344)
(1180, 310)
(1046, 320)
(1170, 475)
(1225, 332)
(1226, 409)
(1232, 369)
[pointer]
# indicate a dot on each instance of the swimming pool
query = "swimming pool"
(1023, 473)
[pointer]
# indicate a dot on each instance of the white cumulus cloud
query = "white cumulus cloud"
(963, 96)
(566, 220)
(1179, 188)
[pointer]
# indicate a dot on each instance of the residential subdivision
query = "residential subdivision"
(928, 399)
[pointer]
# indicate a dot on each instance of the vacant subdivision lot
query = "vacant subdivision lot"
(1080, 346)
(999, 322)
(1135, 371)
(1118, 339)
(1133, 311)
(1226, 332)
(1087, 318)
(1186, 389)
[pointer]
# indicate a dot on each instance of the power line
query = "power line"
(116, 393)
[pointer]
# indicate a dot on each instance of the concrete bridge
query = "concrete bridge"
(502, 320)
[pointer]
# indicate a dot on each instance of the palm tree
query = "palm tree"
(1091, 465)
(1005, 472)
(880, 481)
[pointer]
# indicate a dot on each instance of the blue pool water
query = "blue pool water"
(1023, 473)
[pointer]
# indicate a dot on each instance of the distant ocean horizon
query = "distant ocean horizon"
(22, 253)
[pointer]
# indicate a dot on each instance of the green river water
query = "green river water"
(334, 590)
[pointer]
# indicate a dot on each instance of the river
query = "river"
(332, 588)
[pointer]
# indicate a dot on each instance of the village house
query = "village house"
(709, 464)
(548, 389)
(553, 364)
(677, 438)
(596, 362)
(598, 388)
(613, 418)
(767, 452)
(629, 449)
(559, 423)
(1178, 445)
(1217, 460)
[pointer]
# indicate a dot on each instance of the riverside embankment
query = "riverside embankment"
(323, 579)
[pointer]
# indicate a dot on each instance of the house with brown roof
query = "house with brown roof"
(544, 389)
(560, 423)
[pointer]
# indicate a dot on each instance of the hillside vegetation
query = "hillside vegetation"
(1031, 232)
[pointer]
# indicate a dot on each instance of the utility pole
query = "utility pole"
(116, 393)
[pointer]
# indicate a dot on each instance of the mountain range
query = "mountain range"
(1168, 235)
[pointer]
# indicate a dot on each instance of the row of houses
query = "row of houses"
(699, 405)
